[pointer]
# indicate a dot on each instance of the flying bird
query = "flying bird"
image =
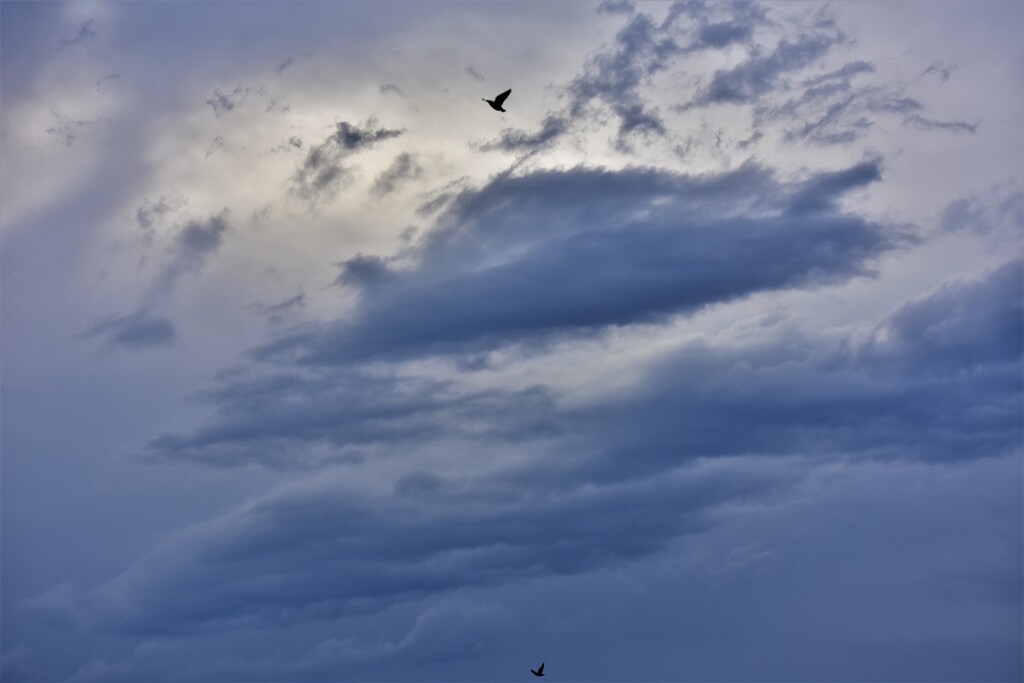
(496, 104)
(540, 669)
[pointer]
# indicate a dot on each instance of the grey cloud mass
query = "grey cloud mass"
(639, 245)
(910, 390)
(652, 467)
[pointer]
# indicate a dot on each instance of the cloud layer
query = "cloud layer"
(633, 378)
(578, 250)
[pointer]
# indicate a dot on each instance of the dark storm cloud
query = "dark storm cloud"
(939, 380)
(323, 549)
(821, 192)
(136, 331)
(556, 252)
(614, 249)
(402, 169)
(322, 173)
(964, 324)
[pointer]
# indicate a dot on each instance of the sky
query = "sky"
(703, 362)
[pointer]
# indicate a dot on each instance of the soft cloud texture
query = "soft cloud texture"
(134, 331)
(641, 244)
(321, 173)
(701, 362)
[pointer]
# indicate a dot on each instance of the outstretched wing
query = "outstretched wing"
(540, 669)
(500, 99)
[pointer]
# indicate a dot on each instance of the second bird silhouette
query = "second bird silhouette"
(539, 670)
(498, 101)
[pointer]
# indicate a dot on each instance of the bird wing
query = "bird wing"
(502, 97)
(540, 669)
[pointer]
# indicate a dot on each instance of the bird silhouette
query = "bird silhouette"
(498, 101)
(540, 669)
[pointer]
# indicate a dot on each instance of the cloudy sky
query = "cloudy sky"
(702, 362)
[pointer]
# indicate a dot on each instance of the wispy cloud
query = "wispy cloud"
(134, 332)
(222, 103)
(85, 34)
(692, 247)
(322, 173)
(194, 243)
(290, 61)
(402, 169)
